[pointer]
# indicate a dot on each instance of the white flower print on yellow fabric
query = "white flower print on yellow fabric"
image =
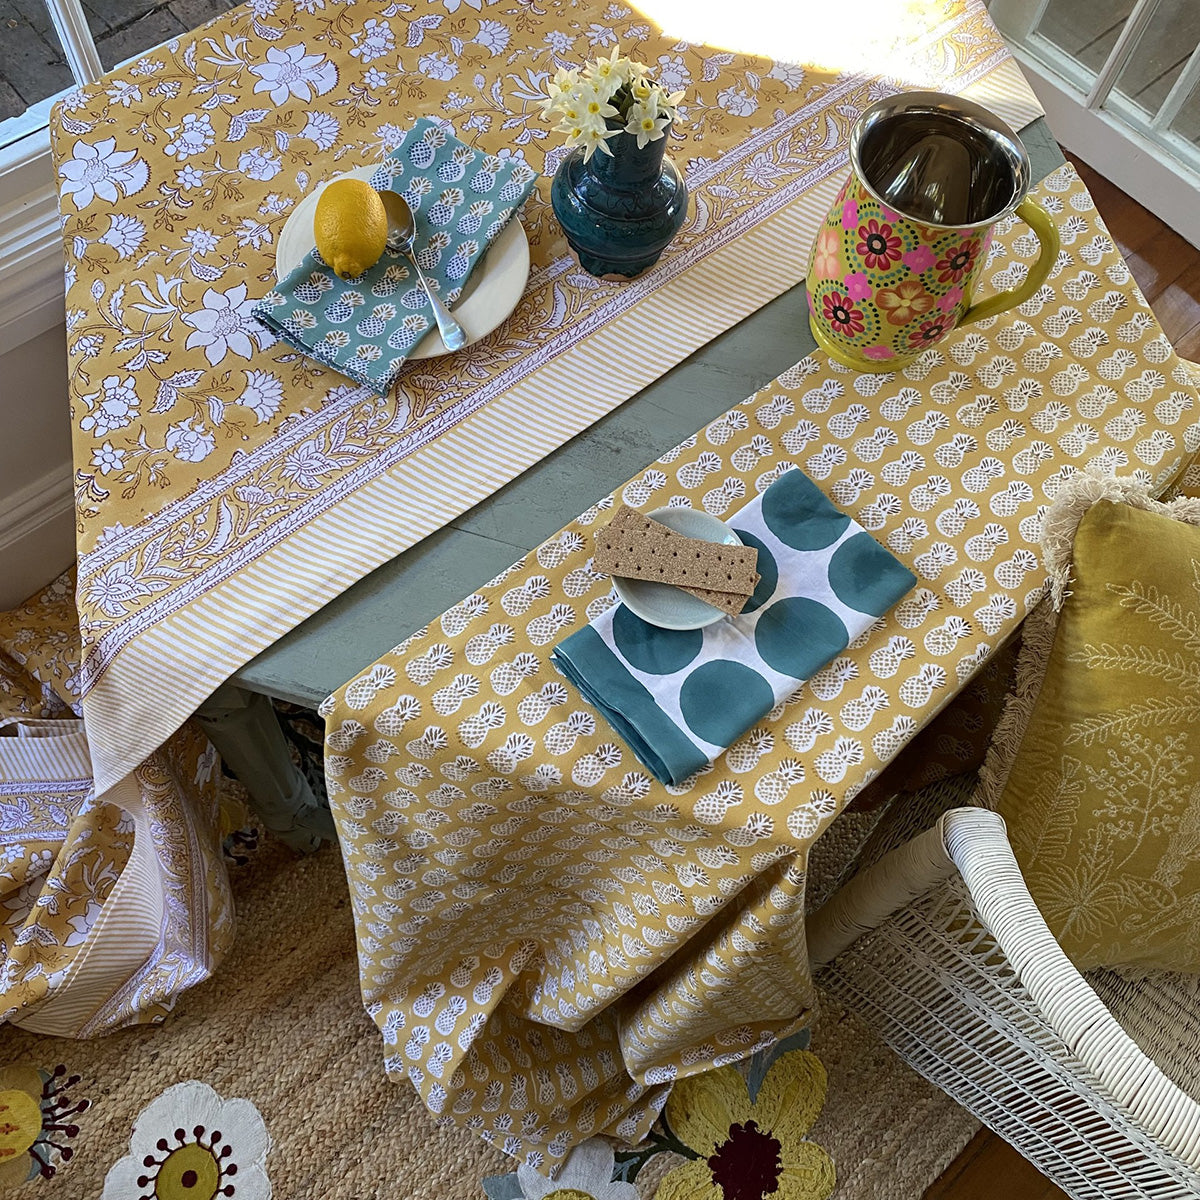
(102, 170)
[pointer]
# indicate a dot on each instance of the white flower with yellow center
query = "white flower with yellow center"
(586, 1175)
(189, 1142)
(646, 123)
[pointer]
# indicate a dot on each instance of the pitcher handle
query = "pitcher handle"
(1046, 231)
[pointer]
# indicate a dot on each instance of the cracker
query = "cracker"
(634, 546)
(729, 602)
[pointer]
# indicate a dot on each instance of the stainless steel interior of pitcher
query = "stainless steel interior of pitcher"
(940, 160)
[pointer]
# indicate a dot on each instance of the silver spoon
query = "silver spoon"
(402, 234)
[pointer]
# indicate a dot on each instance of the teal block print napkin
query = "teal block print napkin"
(680, 698)
(365, 328)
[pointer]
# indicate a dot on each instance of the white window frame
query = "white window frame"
(32, 296)
(1137, 152)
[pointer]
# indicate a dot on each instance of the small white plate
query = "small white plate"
(493, 291)
(666, 606)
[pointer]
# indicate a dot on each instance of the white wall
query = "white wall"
(37, 527)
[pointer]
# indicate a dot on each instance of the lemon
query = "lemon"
(351, 227)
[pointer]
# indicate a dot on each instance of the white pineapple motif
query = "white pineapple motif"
(455, 167)
(818, 399)
(462, 767)
(1012, 571)
(875, 515)
(802, 735)
(561, 738)
(723, 428)
(516, 748)
(945, 390)
(857, 713)
(1077, 289)
(601, 605)
(710, 809)
(1034, 305)
(1018, 397)
(828, 682)
(769, 415)
(421, 152)
(1014, 336)
(471, 220)
(361, 691)
(847, 491)
(639, 491)
(935, 560)
(994, 373)
(1117, 363)
(965, 351)
(720, 498)
(744, 754)
(998, 609)
(1069, 380)
(456, 619)
(804, 820)
(589, 769)
(1141, 390)
(1090, 342)
(1136, 328)
(588, 517)
(546, 628)
(915, 607)
(953, 520)
(894, 408)
(557, 550)
(394, 718)
(1010, 430)
(983, 545)
(822, 464)
(926, 495)
(441, 212)
(1107, 307)
(983, 474)
(1170, 410)
(1054, 483)
(518, 599)
(747, 457)
(1093, 253)
(946, 636)
(1078, 438)
(483, 646)
(1094, 403)
(474, 729)
(1110, 460)
(460, 261)
(1118, 272)
(1050, 417)
(1057, 325)
(535, 707)
(450, 699)
(921, 366)
(1030, 527)
(887, 742)
(843, 424)
(917, 690)
(675, 451)
(423, 668)
(346, 734)
(871, 448)
(1151, 450)
(795, 375)
(545, 777)
(509, 676)
(1033, 457)
(885, 661)
(960, 589)
(800, 435)
(898, 472)
(833, 764)
(1125, 425)
(581, 580)
(773, 786)
(485, 178)
(380, 751)
(429, 743)
(910, 531)
(368, 781)
(693, 474)
(922, 432)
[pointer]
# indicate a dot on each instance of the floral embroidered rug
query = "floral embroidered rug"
(266, 1081)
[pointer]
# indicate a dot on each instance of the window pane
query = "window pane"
(1085, 30)
(1161, 54)
(32, 65)
(1187, 119)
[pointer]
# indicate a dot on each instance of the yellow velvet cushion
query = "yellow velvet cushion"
(1103, 799)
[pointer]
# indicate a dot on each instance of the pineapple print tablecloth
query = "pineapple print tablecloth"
(227, 486)
(547, 938)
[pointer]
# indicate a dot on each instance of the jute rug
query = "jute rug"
(282, 1025)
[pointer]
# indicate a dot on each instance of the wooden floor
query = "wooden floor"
(1167, 270)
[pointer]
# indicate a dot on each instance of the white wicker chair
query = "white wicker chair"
(940, 948)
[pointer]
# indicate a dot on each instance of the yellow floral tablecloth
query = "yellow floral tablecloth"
(226, 487)
(547, 938)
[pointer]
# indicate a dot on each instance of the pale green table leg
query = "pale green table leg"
(245, 730)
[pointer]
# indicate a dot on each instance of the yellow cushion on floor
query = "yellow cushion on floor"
(1103, 799)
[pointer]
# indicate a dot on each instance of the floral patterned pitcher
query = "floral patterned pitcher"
(895, 263)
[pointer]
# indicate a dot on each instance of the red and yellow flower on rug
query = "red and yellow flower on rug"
(750, 1150)
(36, 1122)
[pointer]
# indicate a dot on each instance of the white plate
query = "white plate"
(666, 606)
(496, 284)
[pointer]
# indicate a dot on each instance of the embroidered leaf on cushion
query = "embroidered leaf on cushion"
(1103, 799)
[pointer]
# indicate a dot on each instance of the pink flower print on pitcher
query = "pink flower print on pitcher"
(879, 245)
(850, 215)
(931, 331)
(949, 302)
(958, 261)
(841, 314)
(858, 287)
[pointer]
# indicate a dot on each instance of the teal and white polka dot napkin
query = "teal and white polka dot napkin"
(366, 327)
(680, 698)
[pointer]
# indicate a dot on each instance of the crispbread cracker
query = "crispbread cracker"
(730, 602)
(636, 547)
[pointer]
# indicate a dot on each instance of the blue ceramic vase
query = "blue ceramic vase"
(619, 212)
